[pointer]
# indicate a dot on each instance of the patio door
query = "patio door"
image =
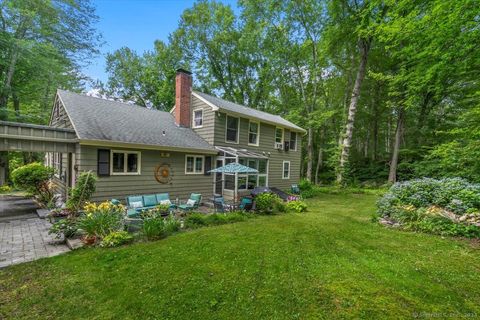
(219, 178)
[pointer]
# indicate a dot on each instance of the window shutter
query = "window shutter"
(103, 164)
(208, 166)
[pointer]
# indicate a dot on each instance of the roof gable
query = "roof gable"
(96, 119)
(240, 110)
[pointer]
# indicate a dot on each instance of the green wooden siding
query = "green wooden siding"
(206, 131)
(213, 131)
(121, 186)
(60, 119)
(266, 144)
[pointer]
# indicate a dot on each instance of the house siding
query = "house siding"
(121, 186)
(60, 119)
(266, 144)
(207, 130)
(213, 131)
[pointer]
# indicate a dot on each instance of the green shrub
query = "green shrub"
(32, 177)
(116, 238)
(305, 185)
(268, 203)
(442, 206)
(156, 227)
(5, 189)
(195, 220)
(296, 206)
(101, 220)
(66, 227)
(85, 187)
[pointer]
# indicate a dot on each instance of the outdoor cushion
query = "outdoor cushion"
(191, 202)
(150, 200)
(134, 199)
(196, 197)
(162, 196)
(136, 204)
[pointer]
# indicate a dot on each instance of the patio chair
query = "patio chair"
(220, 205)
(246, 204)
(164, 198)
(295, 189)
(192, 203)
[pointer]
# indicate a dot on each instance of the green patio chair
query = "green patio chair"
(164, 198)
(192, 203)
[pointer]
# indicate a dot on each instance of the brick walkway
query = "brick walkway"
(23, 240)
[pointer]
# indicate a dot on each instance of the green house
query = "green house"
(136, 150)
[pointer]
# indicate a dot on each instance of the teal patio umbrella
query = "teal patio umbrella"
(234, 168)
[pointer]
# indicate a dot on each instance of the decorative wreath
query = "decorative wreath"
(163, 173)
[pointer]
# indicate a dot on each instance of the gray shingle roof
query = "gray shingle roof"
(229, 106)
(101, 119)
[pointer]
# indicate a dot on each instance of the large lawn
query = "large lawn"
(329, 263)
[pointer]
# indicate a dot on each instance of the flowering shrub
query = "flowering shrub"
(446, 206)
(100, 220)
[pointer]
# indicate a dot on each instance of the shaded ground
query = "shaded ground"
(16, 207)
(23, 236)
(330, 263)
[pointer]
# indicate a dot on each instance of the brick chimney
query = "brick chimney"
(183, 91)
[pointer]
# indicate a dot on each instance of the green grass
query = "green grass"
(331, 262)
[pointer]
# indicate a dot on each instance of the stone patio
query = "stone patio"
(24, 237)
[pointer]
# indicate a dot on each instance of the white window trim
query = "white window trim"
(275, 137)
(193, 118)
(258, 133)
(125, 163)
(238, 130)
(296, 140)
(283, 170)
(194, 156)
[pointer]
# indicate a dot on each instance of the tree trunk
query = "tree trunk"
(7, 84)
(319, 163)
(320, 154)
(16, 105)
(364, 46)
(392, 176)
(309, 154)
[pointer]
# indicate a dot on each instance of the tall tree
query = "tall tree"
(41, 42)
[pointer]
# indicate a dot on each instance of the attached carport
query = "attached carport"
(25, 137)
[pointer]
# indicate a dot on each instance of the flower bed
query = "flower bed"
(448, 206)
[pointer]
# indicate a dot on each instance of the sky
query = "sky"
(135, 24)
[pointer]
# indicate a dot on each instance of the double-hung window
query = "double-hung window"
(253, 133)
(232, 129)
(194, 164)
(198, 118)
(286, 170)
(278, 138)
(125, 162)
(293, 141)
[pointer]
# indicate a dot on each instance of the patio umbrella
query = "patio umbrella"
(234, 168)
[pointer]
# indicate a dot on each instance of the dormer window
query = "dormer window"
(198, 118)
